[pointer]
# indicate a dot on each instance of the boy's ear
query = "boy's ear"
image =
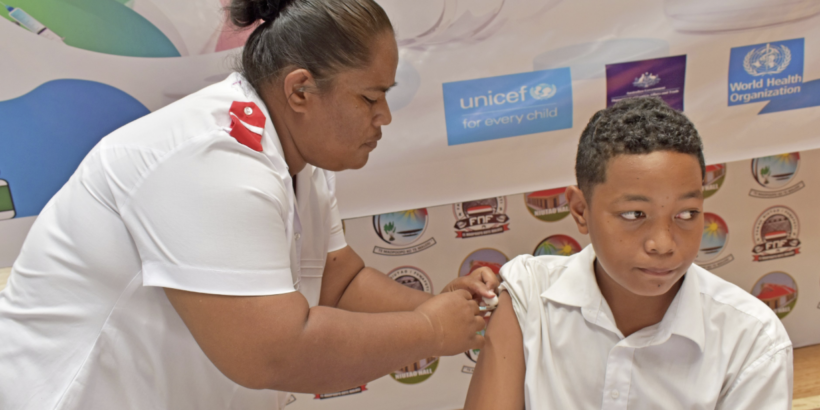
(578, 207)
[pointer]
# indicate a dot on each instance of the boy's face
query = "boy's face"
(646, 221)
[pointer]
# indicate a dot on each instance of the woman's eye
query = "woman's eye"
(371, 102)
(632, 215)
(687, 215)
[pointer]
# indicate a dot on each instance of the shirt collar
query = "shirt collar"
(685, 315)
(577, 287)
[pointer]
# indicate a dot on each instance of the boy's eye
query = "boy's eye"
(633, 215)
(687, 215)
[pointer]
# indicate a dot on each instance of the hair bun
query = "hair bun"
(268, 9)
(247, 12)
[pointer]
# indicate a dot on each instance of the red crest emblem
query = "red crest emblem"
(247, 124)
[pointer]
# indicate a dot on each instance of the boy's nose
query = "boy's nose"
(660, 240)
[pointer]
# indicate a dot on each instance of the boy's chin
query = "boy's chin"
(654, 286)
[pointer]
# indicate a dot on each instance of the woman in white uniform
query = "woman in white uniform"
(196, 259)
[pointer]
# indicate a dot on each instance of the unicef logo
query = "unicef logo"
(543, 91)
(767, 60)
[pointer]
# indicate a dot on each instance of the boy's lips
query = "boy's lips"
(657, 271)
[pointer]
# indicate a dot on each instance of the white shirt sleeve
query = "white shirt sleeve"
(335, 230)
(210, 218)
(767, 383)
(518, 282)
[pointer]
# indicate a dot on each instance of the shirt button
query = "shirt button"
(297, 236)
(615, 394)
(248, 110)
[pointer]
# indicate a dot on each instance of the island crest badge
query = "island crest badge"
(715, 176)
(481, 217)
(775, 173)
(549, 205)
(713, 242)
(776, 234)
(421, 370)
(778, 290)
(400, 229)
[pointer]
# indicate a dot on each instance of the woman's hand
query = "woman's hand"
(481, 283)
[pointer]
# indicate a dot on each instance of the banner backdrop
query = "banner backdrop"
(491, 95)
(761, 232)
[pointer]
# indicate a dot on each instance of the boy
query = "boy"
(630, 322)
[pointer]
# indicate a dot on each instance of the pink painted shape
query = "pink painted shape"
(231, 36)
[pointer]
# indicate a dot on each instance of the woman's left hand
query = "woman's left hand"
(481, 283)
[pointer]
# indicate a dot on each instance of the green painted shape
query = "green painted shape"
(5, 199)
(104, 26)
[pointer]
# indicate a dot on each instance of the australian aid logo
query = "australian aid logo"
(400, 229)
(507, 106)
(766, 71)
(776, 234)
(481, 217)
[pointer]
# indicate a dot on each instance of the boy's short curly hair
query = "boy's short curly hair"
(633, 126)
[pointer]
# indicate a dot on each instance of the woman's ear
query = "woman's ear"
(578, 207)
(297, 85)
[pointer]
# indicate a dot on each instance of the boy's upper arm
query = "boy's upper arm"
(498, 381)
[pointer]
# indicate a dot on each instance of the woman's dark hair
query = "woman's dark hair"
(321, 36)
(633, 126)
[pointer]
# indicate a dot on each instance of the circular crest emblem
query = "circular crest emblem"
(775, 171)
(412, 278)
(714, 239)
(549, 205)
(401, 228)
(481, 217)
(416, 372)
(422, 370)
(561, 245)
(776, 234)
(715, 175)
(483, 258)
(778, 290)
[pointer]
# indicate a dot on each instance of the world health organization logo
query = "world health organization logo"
(543, 91)
(767, 60)
(646, 80)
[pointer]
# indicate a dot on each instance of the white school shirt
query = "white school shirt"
(171, 200)
(717, 347)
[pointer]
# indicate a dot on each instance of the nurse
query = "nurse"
(196, 258)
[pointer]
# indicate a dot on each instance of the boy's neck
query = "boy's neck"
(633, 312)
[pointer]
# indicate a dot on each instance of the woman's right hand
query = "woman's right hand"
(455, 320)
